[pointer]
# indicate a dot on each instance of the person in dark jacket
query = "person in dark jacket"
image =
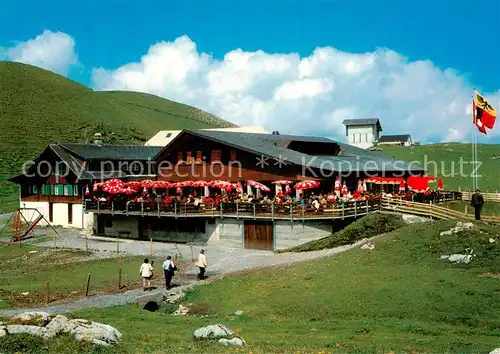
(168, 268)
(477, 203)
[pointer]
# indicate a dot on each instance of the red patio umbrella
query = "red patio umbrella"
(344, 189)
(258, 186)
(440, 183)
(284, 182)
(418, 184)
(133, 184)
(199, 184)
(129, 191)
(338, 186)
(360, 187)
(220, 184)
(307, 184)
(147, 183)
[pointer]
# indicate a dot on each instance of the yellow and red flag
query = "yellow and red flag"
(483, 114)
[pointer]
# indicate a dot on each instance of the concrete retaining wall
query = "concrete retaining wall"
(290, 234)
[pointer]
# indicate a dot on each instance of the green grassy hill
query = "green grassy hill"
(444, 160)
(38, 107)
(399, 297)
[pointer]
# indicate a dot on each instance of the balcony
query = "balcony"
(292, 212)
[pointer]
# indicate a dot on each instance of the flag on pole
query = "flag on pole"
(484, 115)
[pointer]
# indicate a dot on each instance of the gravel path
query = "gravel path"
(221, 261)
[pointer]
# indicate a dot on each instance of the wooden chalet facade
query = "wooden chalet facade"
(57, 183)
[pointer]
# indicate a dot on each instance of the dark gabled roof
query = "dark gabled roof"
(263, 144)
(363, 121)
(391, 138)
(112, 152)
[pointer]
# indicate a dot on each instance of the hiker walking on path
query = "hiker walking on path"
(477, 202)
(202, 264)
(168, 268)
(146, 272)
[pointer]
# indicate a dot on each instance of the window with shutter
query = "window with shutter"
(68, 190)
(215, 156)
(179, 157)
(233, 155)
(56, 189)
(75, 190)
(199, 157)
(189, 157)
(44, 189)
(35, 189)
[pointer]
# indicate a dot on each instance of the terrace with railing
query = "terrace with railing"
(243, 210)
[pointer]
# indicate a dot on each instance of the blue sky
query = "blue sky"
(458, 34)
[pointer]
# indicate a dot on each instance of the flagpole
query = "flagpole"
(473, 158)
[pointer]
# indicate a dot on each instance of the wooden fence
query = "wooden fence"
(431, 210)
(488, 197)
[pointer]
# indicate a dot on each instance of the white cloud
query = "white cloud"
(308, 95)
(53, 51)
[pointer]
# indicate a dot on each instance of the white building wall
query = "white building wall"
(30, 215)
(59, 214)
(362, 136)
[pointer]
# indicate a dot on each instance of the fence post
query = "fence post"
(272, 211)
(119, 277)
(88, 285)
(46, 291)
(355, 209)
(142, 208)
(117, 245)
(237, 210)
(343, 211)
(150, 247)
(54, 240)
(291, 211)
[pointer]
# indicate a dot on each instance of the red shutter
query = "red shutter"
(215, 156)
(199, 157)
(233, 155)
(179, 157)
(189, 157)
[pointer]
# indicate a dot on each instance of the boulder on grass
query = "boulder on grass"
(213, 332)
(34, 317)
(235, 342)
(97, 333)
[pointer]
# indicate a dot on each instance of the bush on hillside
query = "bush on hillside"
(367, 226)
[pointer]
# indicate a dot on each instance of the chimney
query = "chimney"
(276, 132)
(98, 139)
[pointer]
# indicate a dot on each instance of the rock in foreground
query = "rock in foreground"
(81, 330)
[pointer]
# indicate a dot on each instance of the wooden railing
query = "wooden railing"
(488, 197)
(431, 210)
(238, 210)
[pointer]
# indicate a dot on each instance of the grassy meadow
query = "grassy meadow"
(399, 297)
(26, 268)
(445, 160)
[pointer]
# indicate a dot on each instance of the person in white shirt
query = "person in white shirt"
(202, 264)
(146, 272)
(168, 268)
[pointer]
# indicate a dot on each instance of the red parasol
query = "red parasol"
(344, 190)
(307, 184)
(129, 191)
(133, 184)
(199, 184)
(87, 192)
(285, 182)
(258, 186)
(147, 183)
(419, 184)
(338, 186)
(112, 186)
(360, 187)
(220, 184)
(385, 180)
(440, 183)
